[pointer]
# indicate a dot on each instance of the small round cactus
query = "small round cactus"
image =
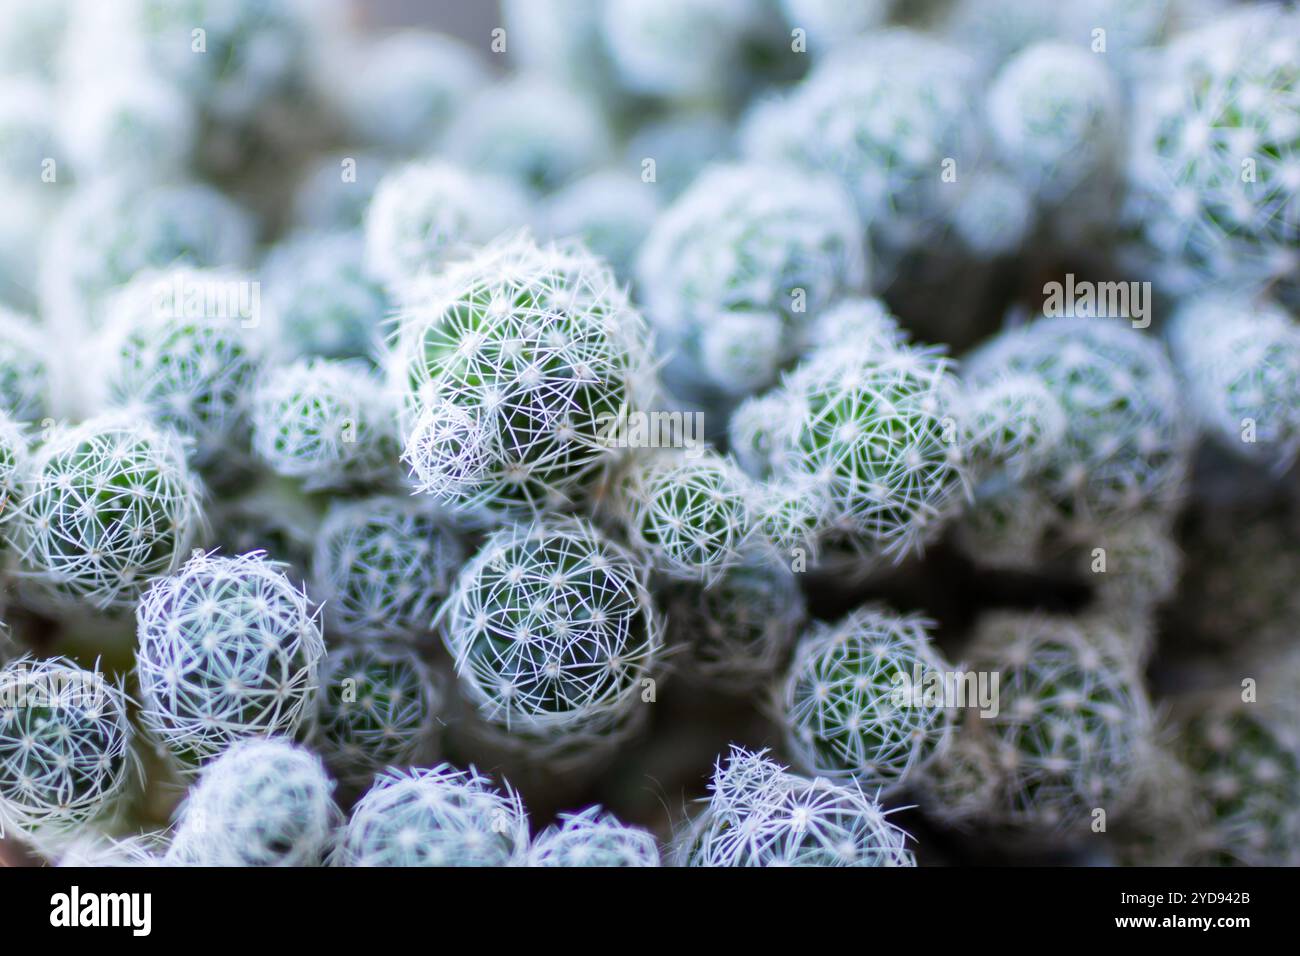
(1241, 365)
(552, 630)
(13, 472)
(528, 355)
(66, 755)
(24, 368)
(734, 270)
(1013, 425)
(425, 214)
(960, 786)
(739, 627)
(761, 815)
(382, 565)
(327, 424)
(228, 649)
(593, 838)
(1055, 112)
(1072, 718)
(856, 701)
(320, 299)
(1134, 566)
(180, 350)
(91, 849)
(377, 708)
(261, 803)
(688, 514)
(108, 504)
(437, 817)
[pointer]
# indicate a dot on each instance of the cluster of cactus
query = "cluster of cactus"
(682, 389)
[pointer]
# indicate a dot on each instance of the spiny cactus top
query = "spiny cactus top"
(688, 514)
(1127, 440)
(228, 649)
(437, 817)
(377, 707)
(328, 424)
(404, 88)
(13, 472)
(1055, 113)
(320, 299)
(881, 114)
(593, 838)
(427, 213)
(65, 745)
(552, 629)
(1071, 719)
(1241, 366)
(528, 355)
(1215, 164)
(261, 803)
(24, 369)
(180, 348)
(382, 565)
(855, 700)
(108, 504)
(761, 815)
(529, 129)
(734, 269)
(1013, 425)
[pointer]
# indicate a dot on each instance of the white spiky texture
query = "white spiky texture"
(865, 322)
(1240, 363)
(527, 355)
(875, 429)
(128, 120)
(321, 301)
(227, 649)
(552, 630)
(593, 837)
(437, 817)
(679, 48)
(327, 424)
(382, 565)
(378, 707)
(404, 88)
(109, 504)
(687, 513)
(1013, 425)
(1214, 170)
(91, 849)
(14, 456)
(66, 754)
(854, 704)
(1246, 763)
(1072, 718)
(109, 230)
(794, 518)
(529, 129)
(610, 210)
(759, 814)
(427, 213)
(24, 368)
(881, 115)
(735, 268)
(179, 349)
(261, 803)
(739, 627)
(1055, 113)
(1127, 439)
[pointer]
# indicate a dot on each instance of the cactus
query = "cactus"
(13, 472)
(1013, 426)
(261, 803)
(761, 815)
(593, 838)
(326, 424)
(377, 708)
(228, 649)
(738, 265)
(382, 565)
(853, 703)
(66, 755)
(528, 355)
(437, 817)
(552, 630)
(108, 504)
(24, 368)
(426, 214)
